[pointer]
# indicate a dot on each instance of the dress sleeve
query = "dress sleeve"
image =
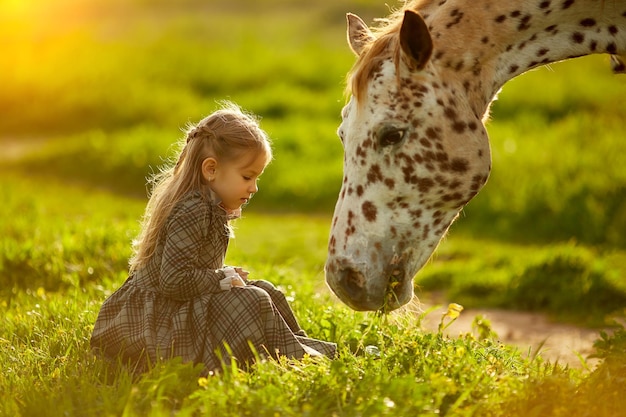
(180, 277)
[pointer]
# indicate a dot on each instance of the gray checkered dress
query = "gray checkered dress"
(174, 306)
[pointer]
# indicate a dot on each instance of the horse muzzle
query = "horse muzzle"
(363, 288)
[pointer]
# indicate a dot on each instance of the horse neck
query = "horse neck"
(490, 42)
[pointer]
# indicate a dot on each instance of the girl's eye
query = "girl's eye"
(247, 178)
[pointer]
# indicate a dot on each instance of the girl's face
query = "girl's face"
(235, 182)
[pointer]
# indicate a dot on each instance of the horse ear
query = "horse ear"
(415, 40)
(359, 34)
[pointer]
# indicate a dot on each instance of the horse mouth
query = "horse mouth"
(393, 294)
(398, 291)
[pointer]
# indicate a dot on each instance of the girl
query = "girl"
(180, 299)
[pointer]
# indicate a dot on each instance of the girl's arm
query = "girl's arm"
(181, 279)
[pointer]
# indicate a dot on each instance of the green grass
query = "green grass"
(568, 281)
(556, 159)
(73, 256)
(97, 91)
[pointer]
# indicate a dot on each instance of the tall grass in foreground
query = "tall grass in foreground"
(49, 304)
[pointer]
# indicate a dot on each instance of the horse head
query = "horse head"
(415, 152)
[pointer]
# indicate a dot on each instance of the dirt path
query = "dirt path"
(528, 331)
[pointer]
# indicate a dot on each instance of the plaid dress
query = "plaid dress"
(174, 306)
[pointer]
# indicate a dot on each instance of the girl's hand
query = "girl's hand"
(237, 282)
(233, 279)
(242, 273)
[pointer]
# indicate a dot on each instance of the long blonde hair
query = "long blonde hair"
(225, 135)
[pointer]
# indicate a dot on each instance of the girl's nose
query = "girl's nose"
(254, 188)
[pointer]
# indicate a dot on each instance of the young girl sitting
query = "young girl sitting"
(180, 300)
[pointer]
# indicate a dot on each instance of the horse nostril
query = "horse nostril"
(352, 282)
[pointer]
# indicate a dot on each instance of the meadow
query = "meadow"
(94, 95)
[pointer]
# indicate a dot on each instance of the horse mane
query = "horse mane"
(384, 45)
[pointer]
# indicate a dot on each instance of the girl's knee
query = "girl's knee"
(266, 285)
(254, 294)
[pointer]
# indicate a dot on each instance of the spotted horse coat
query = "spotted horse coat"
(416, 149)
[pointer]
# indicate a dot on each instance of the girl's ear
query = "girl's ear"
(209, 165)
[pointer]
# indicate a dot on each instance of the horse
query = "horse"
(416, 150)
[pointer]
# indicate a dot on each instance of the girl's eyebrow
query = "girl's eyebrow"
(252, 173)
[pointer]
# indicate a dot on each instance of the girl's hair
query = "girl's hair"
(225, 135)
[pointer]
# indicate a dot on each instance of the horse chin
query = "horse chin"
(364, 304)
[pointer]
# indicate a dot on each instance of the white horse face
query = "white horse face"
(414, 155)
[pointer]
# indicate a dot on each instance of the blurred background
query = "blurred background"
(93, 93)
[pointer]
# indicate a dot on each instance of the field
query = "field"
(96, 92)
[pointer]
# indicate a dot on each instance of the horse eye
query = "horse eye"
(391, 137)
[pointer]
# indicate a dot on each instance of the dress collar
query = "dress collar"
(230, 214)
